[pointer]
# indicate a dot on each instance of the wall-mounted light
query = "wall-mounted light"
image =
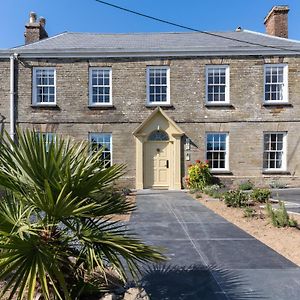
(187, 157)
(187, 144)
(158, 128)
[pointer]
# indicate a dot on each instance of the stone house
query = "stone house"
(159, 101)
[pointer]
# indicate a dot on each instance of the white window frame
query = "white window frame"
(227, 85)
(285, 84)
(284, 150)
(158, 103)
(111, 142)
(34, 87)
(226, 152)
(97, 104)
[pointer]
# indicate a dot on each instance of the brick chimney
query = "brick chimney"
(35, 29)
(276, 21)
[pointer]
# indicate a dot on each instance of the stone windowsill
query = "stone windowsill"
(277, 104)
(45, 106)
(101, 107)
(160, 105)
(275, 172)
(221, 105)
(221, 172)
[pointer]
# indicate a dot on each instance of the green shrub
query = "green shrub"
(246, 185)
(249, 212)
(199, 175)
(280, 217)
(276, 184)
(235, 198)
(261, 195)
(213, 191)
(210, 190)
(217, 195)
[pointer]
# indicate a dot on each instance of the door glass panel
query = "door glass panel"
(158, 135)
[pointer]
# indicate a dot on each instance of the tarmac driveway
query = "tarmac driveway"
(290, 196)
(209, 258)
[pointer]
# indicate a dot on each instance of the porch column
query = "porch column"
(139, 162)
(177, 162)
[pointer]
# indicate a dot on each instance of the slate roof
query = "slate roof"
(185, 43)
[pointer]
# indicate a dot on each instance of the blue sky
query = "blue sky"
(90, 16)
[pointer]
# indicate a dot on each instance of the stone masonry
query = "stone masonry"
(245, 120)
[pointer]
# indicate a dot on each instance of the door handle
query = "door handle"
(167, 164)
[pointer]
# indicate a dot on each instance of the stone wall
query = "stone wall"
(4, 89)
(245, 120)
(187, 91)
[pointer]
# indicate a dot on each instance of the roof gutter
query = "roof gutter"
(133, 54)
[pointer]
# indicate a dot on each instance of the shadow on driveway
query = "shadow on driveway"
(162, 282)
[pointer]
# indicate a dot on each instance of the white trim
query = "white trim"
(105, 53)
(111, 144)
(160, 103)
(226, 169)
(227, 85)
(34, 94)
(285, 85)
(284, 150)
(99, 104)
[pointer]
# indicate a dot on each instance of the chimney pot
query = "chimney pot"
(42, 21)
(32, 18)
(276, 21)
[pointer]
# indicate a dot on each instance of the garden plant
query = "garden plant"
(279, 217)
(261, 195)
(235, 198)
(56, 235)
(199, 175)
(246, 185)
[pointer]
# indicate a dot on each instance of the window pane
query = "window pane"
(273, 151)
(222, 97)
(44, 85)
(216, 84)
(158, 135)
(222, 79)
(216, 150)
(274, 89)
(216, 97)
(214, 164)
(222, 164)
(100, 86)
(216, 80)
(102, 141)
(157, 85)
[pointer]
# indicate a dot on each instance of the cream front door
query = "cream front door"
(156, 165)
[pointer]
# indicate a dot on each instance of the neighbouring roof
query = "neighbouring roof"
(158, 44)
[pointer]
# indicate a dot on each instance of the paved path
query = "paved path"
(290, 196)
(209, 258)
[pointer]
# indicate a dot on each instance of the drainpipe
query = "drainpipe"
(12, 96)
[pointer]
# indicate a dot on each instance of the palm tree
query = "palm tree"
(55, 226)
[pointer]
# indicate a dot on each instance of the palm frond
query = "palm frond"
(55, 219)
